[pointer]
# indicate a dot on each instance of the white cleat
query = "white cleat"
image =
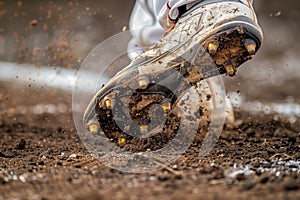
(212, 38)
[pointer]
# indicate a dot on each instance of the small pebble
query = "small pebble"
(163, 178)
(33, 22)
(73, 156)
(77, 166)
(271, 150)
(21, 144)
(41, 162)
(22, 179)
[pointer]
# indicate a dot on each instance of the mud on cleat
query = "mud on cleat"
(211, 38)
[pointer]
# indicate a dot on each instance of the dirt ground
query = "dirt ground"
(42, 156)
(40, 160)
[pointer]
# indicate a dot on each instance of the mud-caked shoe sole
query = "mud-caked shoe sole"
(232, 44)
(209, 40)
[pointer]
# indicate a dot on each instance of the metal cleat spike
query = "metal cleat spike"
(230, 69)
(144, 129)
(143, 82)
(93, 128)
(250, 45)
(108, 103)
(121, 140)
(212, 48)
(241, 31)
(166, 105)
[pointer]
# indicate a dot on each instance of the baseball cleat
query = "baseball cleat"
(212, 38)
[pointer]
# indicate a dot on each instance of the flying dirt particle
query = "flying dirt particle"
(59, 8)
(15, 15)
(277, 14)
(45, 27)
(34, 22)
(19, 4)
(49, 15)
(124, 28)
(2, 13)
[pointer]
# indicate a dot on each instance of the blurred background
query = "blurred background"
(62, 33)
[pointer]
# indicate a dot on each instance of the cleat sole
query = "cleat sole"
(228, 46)
(236, 46)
